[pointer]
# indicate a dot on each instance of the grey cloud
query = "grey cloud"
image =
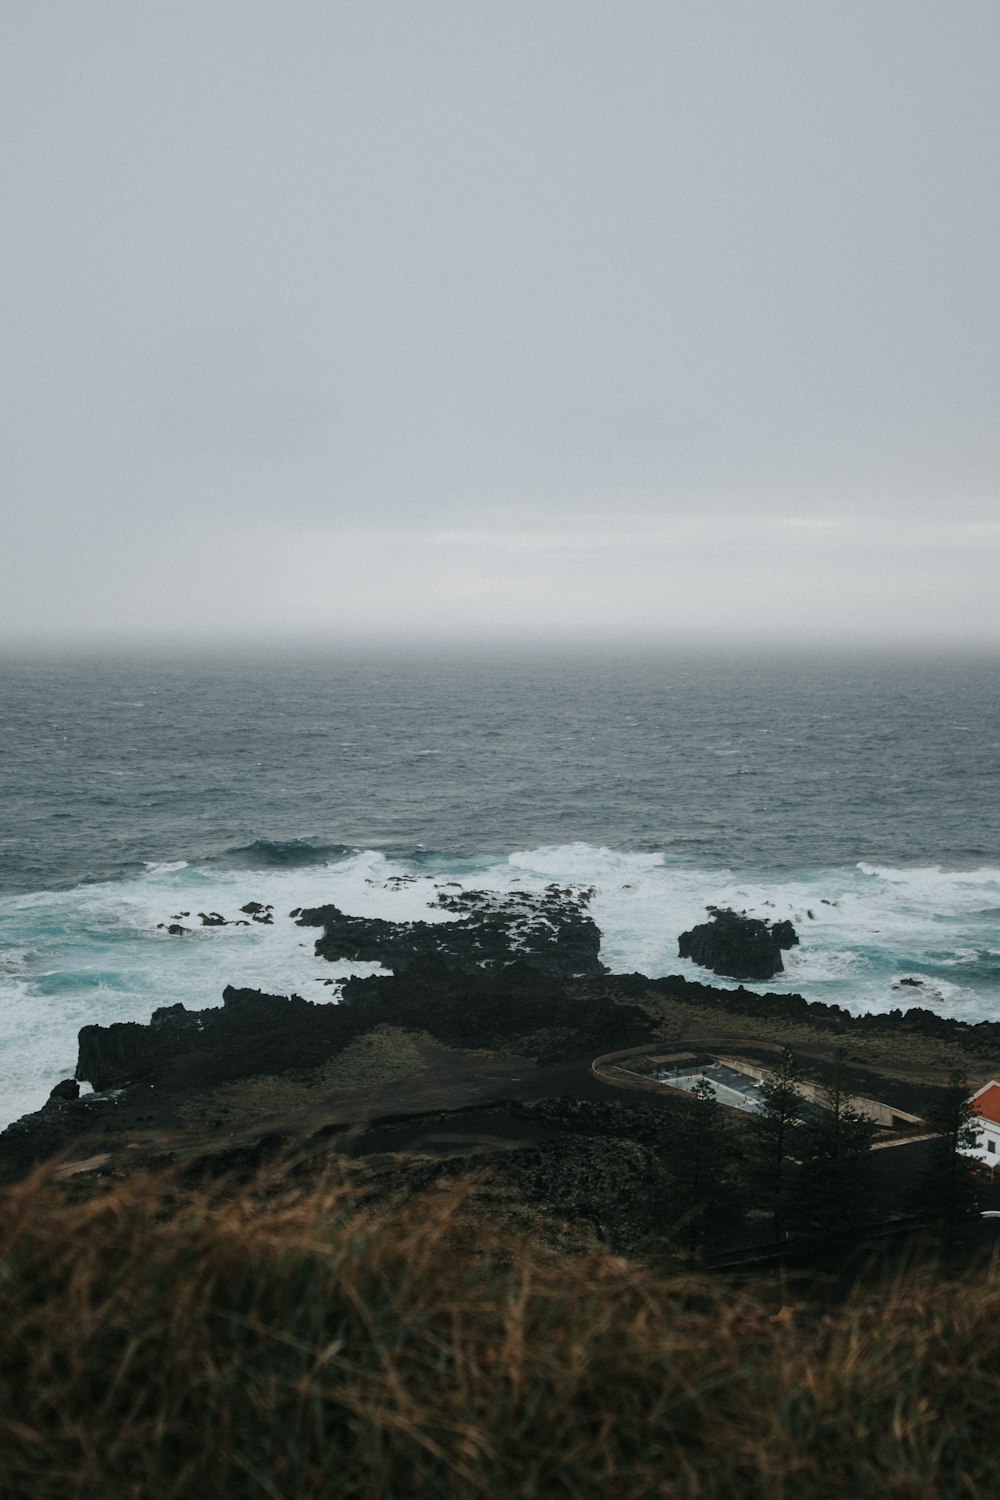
(498, 267)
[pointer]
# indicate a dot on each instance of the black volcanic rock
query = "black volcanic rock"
(252, 1033)
(58, 1126)
(128, 1052)
(67, 1089)
(518, 1008)
(737, 946)
(141, 1073)
(550, 931)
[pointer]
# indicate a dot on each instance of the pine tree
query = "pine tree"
(947, 1188)
(772, 1136)
(699, 1165)
(832, 1190)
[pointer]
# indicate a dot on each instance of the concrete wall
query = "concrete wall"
(608, 1070)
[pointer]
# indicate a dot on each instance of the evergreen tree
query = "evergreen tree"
(947, 1188)
(832, 1190)
(771, 1138)
(699, 1166)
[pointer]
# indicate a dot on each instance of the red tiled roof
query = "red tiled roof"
(987, 1103)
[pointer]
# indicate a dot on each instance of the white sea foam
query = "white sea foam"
(96, 954)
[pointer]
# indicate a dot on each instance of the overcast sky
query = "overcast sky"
(500, 319)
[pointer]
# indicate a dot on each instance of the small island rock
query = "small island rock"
(738, 946)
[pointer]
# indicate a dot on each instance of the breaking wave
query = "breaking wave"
(265, 854)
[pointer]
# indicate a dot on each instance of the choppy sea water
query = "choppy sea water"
(857, 797)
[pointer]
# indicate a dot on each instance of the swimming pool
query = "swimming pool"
(732, 1088)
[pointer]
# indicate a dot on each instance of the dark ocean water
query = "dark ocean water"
(761, 766)
(131, 788)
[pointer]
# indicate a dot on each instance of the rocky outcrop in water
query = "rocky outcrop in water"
(737, 946)
(551, 931)
(252, 1033)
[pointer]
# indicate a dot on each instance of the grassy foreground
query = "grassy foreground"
(161, 1343)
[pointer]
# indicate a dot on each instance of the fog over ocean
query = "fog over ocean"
(857, 796)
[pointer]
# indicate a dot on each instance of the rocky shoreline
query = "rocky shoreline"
(552, 932)
(495, 1015)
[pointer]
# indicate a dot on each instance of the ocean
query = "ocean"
(857, 796)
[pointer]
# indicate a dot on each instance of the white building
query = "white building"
(986, 1103)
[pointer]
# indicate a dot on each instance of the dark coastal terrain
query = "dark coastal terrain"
(474, 1058)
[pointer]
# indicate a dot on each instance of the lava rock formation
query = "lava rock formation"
(737, 946)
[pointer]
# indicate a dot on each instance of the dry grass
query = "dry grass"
(383, 1055)
(167, 1345)
(907, 1055)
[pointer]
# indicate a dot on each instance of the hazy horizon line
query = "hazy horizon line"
(220, 647)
